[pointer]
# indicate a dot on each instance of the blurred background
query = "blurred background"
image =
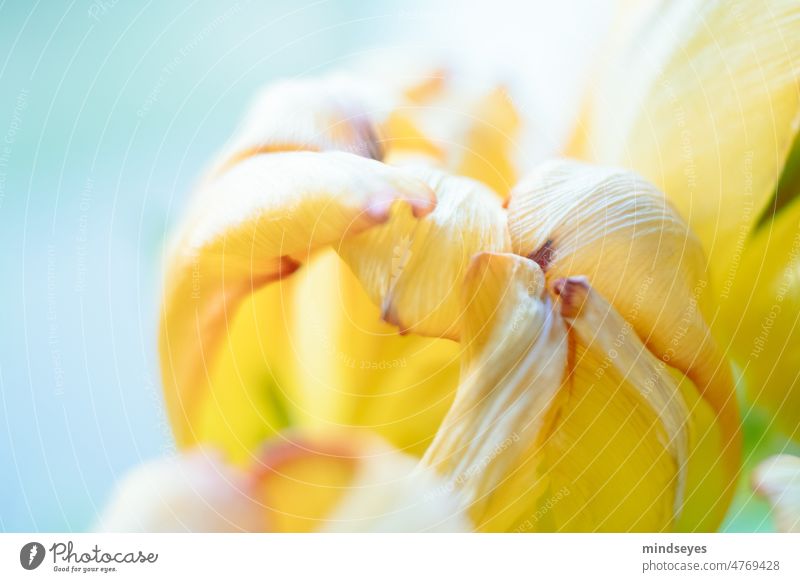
(109, 110)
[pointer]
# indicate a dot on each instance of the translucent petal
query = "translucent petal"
(515, 360)
(704, 470)
(597, 325)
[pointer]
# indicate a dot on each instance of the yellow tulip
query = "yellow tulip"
(702, 98)
(542, 351)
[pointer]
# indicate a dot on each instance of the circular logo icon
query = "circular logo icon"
(31, 555)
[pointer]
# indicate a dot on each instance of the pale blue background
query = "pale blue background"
(90, 160)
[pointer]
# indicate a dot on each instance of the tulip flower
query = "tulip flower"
(366, 256)
(703, 100)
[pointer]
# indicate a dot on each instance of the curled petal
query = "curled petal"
(414, 269)
(255, 224)
(620, 232)
(326, 114)
(515, 359)
(624, 452)
(778, 480)
(597, 325)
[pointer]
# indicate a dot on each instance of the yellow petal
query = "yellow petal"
(515, 359)
(760, 308)
(414, 269)
(778, 480)
(490, 143)
(596, 324)
(614, 361)
(619, 231)
(355, 370)
(312, 351)
(252, 225)
(255, 364)
(704, 102)
(467, 130)
(604, 463)
(195, 492)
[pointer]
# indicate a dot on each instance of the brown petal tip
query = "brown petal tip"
(380, 207)
(572, 292)
(544, 255)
